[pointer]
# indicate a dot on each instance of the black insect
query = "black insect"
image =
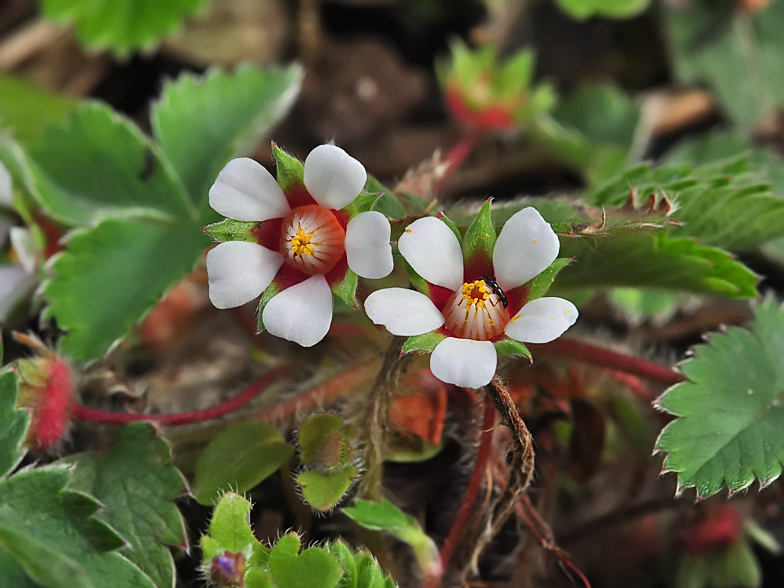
(497, 290)
(149, 165)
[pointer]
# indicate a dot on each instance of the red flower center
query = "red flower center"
(312, 239)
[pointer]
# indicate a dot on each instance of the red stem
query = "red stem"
(480, 466)
(83, 413)
(456, 156)
(588, 353)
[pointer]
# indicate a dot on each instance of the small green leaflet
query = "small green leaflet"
(240, 457)
(731, 410)
(136, 484)
(122, 25)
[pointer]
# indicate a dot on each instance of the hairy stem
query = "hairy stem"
(474, 483)
(84, 413)
(375, 420)
(604, 358)
(456, 156)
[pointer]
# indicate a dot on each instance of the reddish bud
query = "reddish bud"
(491, 117)
(46, 388)
(718, 529)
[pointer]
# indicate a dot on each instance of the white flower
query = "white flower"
(470, 309)
(304, 241)
(16, 279)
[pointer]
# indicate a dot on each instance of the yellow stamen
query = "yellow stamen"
(301, 243)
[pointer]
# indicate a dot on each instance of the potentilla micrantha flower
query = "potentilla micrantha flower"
(475, 295)
(298, 240)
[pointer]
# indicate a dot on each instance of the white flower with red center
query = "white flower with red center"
(296, 240)
(477, 298)
(17, 278)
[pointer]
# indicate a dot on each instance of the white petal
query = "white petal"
(23, 242)
(432, 249)
(368, 250)
(246, 191)
(6, 191)
(525, 248)
(403, 312)
(302, 313)
(464, 362)
(333, 177)
(15, 282)
(542, 320)
(239, 271)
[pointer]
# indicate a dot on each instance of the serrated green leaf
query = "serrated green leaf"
(27, 109)
(136, 483)
(479, 240)
(36, 504)
(240, 457)
(290, 170)
(99, 165)
(202, 122)
(735, 51)
(122, 26)
(45, 565)
(258, 579)
(231, 230)
(730, 411)
(507, 346)
(230, 525)
(582, 9)
(111, 275)
(313, 568)
(423, 343)
(654, 261)
(724, 203)
(13, 574)
(13, 423)
(323, 490)
(340, 551)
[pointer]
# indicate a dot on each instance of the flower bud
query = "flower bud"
(46, 388)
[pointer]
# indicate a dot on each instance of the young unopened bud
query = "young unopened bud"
(228, 570)
(46, 388)
(720, 528)
(752, 6)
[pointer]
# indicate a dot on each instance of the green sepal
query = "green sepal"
(479, 240)
(291, 172)
(419, 283)
(346, 289)
(507, 346)
(273, 289)
(538, 286)
(362, 203)
(387, 203)
(231, 230)
(423, 343)
(452, 226)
